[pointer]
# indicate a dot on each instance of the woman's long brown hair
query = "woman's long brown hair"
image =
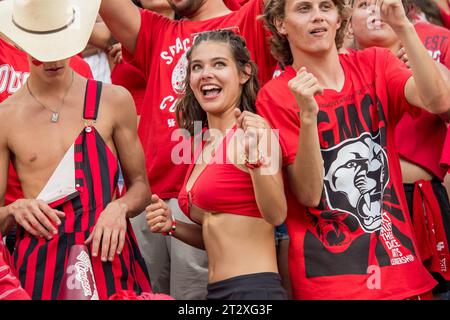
(188, 110)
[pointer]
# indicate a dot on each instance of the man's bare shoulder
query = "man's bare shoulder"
(115, 92)
(8, 115)
(117, 98)
(9, 108)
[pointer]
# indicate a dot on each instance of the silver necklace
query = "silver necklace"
(55, 114)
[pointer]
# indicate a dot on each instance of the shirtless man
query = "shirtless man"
(64, 116)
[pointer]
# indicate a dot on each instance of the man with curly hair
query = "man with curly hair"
(351, 234)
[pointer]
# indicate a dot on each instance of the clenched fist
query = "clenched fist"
(158, 215)
(305, 86)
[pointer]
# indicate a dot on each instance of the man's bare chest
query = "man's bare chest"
(38, 145)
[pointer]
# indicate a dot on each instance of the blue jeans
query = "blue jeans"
(281, 233)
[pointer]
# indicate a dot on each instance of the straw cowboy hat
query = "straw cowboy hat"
(49, 30)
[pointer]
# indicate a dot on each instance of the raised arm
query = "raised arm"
(306, 173)
(123, 20)
(264, 163)
(427, 88)
(101, 36)
(444, 71)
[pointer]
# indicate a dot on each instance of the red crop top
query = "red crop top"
(221, 187)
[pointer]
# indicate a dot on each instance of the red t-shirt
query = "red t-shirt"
(347, 247)
(128, 76)
(436, 40)
(10, 288)
(161, 54)
(232, 4)
(14, 71)
(413, 135)
(235, 4)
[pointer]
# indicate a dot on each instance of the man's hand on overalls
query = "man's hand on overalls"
(36, 217)
(110, 231)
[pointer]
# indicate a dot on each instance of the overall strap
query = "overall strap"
(92, 99)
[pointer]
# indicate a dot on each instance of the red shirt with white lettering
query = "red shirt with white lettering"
(436, 40)
(161, 54)
(413, 135)
(234, 4)
(14, 71)
(358, 243)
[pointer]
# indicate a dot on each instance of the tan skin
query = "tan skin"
(38, 147)
(160, 6)
(386, 37)
(235, 244)
(443, 4)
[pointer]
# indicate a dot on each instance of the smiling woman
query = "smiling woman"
(234, 203)
(244, 84)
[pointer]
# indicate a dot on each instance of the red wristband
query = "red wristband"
(259, 163)
(252, 166)
(172, 229)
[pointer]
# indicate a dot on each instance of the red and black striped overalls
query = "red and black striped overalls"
(41, 263)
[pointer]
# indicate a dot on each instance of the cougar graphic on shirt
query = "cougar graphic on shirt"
(356, 174)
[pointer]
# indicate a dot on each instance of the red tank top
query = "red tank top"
(221, 187)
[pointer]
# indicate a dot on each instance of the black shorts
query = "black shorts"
(255, 286)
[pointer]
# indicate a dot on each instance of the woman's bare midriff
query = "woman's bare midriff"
(412, 172)
(236, 245)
